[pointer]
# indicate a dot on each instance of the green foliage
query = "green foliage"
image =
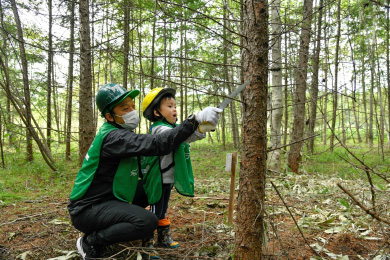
(23, 180)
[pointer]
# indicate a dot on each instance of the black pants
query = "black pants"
(115, 221)
(161, 207)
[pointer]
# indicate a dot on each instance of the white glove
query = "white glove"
(209, 115)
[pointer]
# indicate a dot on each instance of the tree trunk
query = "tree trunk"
(294, 156)
(388, 63)
(70, 81)
(342, 114)
(336, 73)
(153, 47)
(250, 232)
(8, 118)
(49, 75)
(325, 81)
(314, 84)
(357, 123)
(1, 142)
(372, 58)
(86, 124)
(286, 121)
(181, 66)
(274, 161)
(126, 41)
(26, 87)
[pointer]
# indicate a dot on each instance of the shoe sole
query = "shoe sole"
(80, 247)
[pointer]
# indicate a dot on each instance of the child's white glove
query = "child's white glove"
(209, 116)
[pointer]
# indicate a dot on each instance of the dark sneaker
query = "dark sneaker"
(87, 251)
(165, 239)
(149, 253)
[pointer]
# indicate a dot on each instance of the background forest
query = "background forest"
(314, 120)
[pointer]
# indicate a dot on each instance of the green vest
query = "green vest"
(152, 175)
(126, 176)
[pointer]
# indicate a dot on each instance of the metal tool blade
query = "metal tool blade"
(227, 101)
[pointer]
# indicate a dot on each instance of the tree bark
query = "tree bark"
(126, 41)
(70, 81)
(388, 62)
(325, 81)
(274, 161)
(49, 75)
(336, 73)
(363, 73)
(86, 124)
(26, 87)
(314, 84)
(373, 83)
(294, 156)
(250, 233)
(153, 47)
(8, 118)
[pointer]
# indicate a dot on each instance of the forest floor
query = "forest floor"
(315, 220)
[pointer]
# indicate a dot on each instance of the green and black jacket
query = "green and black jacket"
(111, 167)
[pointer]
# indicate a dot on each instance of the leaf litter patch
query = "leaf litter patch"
(332, 225)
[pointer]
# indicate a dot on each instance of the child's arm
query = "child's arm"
(195, 136)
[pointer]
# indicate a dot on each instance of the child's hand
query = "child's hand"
(209, 115)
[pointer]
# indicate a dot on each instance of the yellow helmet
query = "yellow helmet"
(153, 98)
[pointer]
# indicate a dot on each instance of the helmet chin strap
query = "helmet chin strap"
(114, 123)
(164, 119)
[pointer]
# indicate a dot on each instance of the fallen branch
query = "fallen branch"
(367, 210)
(296, 224)
(28, 217)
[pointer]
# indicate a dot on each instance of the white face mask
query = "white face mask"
(131, 120)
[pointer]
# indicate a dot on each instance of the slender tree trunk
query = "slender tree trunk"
(342, 114)
(126, 41)
(286, 73)
(388, 64)
(26, 87)
(186, 68)
(325, 82)
(382, 120)
(372, 58)
(181, 67)
(86, 124)
(223, 126)
(8, 118)
(357, 123)
(165, 49)
(153, 47)
(228, 76)
(314, 84)
(249, 240)
(49, 75)
(56, 105)
(70, 80)
(336, 73)
(294, 156)
(1, 142)
(141, 68)
(274, 161)
(96, 113)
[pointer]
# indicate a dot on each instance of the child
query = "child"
(162, 172)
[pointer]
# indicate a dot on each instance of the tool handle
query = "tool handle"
(206, 127)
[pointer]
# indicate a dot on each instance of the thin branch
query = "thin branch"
(296, 224)
(367, 210)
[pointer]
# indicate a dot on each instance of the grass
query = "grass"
(21, 179)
